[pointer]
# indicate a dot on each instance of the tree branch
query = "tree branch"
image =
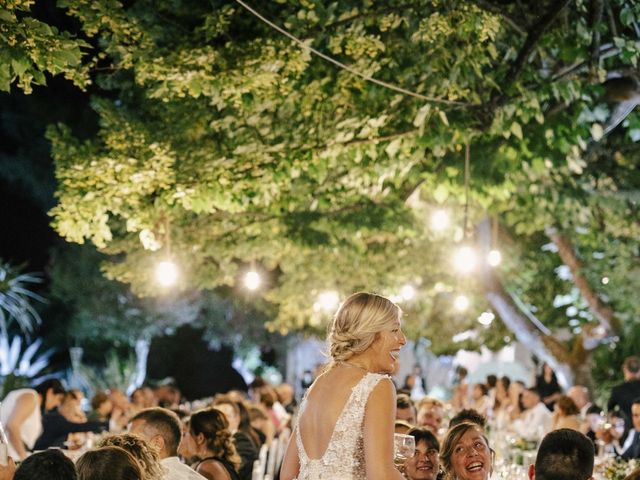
(602, 312)
(595, 17)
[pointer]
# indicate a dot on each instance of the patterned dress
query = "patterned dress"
(344, 456)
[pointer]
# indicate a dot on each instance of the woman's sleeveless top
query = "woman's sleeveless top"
(233, 474)
(344, 456)
(31, 429)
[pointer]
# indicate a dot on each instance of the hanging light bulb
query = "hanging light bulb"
(439, 220)
(327, 301)
(486, 318)
(461, 303)
(252, 280)
(494, 258)
(166, 273)
(465, 259)
(407, 292)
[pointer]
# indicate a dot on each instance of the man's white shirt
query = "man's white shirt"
(534, 424)
(176, 470)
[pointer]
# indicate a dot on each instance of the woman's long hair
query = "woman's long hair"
(212, 423)
(108, 463)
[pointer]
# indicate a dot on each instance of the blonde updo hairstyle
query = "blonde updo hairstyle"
(358, 322)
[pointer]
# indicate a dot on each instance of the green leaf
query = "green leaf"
(516, 129)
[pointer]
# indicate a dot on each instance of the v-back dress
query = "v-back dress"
(344, 457)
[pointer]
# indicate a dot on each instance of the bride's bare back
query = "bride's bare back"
(342, 427)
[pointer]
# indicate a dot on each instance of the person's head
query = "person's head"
(405, 409)
(137, 446)
(367, 323)
(465, 453)
(461, 372)
(285, 393)
(566, 406)
(564, 454)
(579, 395)
(492, 380)
(138, 398)
(631, 368)
(402, 426)
(101, 403)
(160, 428)
(231, 410)
(425, 464)
(430, 414)
(530, 398)
(118, 399)
(479, 391)
(108, 463)
(207, 435)
(468, 415)
(50, 464)
(52, 393)
(635, 414)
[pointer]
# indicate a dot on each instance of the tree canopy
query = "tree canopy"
(226, 145)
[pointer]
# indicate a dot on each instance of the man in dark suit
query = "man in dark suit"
(623, 395)
(631, 448)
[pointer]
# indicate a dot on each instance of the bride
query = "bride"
(346, 420)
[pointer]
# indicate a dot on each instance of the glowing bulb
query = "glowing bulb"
(494, 258)
(439, 220)
(166, 273)
(252, 280)
(486, 318)
(605, 280)
(408, 292)
(465, 259)
(461, 303)
(328, 300)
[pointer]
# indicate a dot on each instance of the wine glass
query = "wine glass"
(404, 448)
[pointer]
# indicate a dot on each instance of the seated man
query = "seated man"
(535, 420)
(564, 454)
(430, 414)
(631, 447)
(405, 409)
(161, 428)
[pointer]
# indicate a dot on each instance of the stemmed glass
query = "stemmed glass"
(404, 447)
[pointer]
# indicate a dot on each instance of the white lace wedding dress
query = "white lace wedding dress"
(344, 457)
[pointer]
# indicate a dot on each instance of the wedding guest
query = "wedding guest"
(21, 414)
(624, 394)
(631, 447)
(400, 426)
(364, 343)
(425, 464)
(430, 414)
(49, 465)
(71, 408)
(564, 454)
(208, 442)
(465, 453)
(405, 410)
(535, 420)
(468, 415)
(613, 432)
(261, 424)
(244, 443)
(502, 403)
(56, 429)
(547, 386)
(146, 456)
(481, 401)
(7, 471)
(460, 397)
(161, 428)
(101, 408)
(565, 414)
(108, 463)
(287, 398)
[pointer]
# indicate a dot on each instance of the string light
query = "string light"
(486, 318)
(439, 220)
(494, 258)
(252, 280)
(327, 301)
(461, 303)
(407, 292)
(465, 259)
(167, 273)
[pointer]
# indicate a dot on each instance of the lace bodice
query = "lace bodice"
(344, 456)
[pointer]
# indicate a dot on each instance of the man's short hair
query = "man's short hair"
(50, 464)
(632, 364)
(403, 401)
(468, 415)
(166, 423)
(565, 454)
(422, 434)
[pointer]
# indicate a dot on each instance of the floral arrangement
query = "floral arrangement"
(618, 469)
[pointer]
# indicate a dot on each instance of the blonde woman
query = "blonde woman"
(146, 456)
(346, 421)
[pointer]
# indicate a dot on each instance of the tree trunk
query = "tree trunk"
(528, 329)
